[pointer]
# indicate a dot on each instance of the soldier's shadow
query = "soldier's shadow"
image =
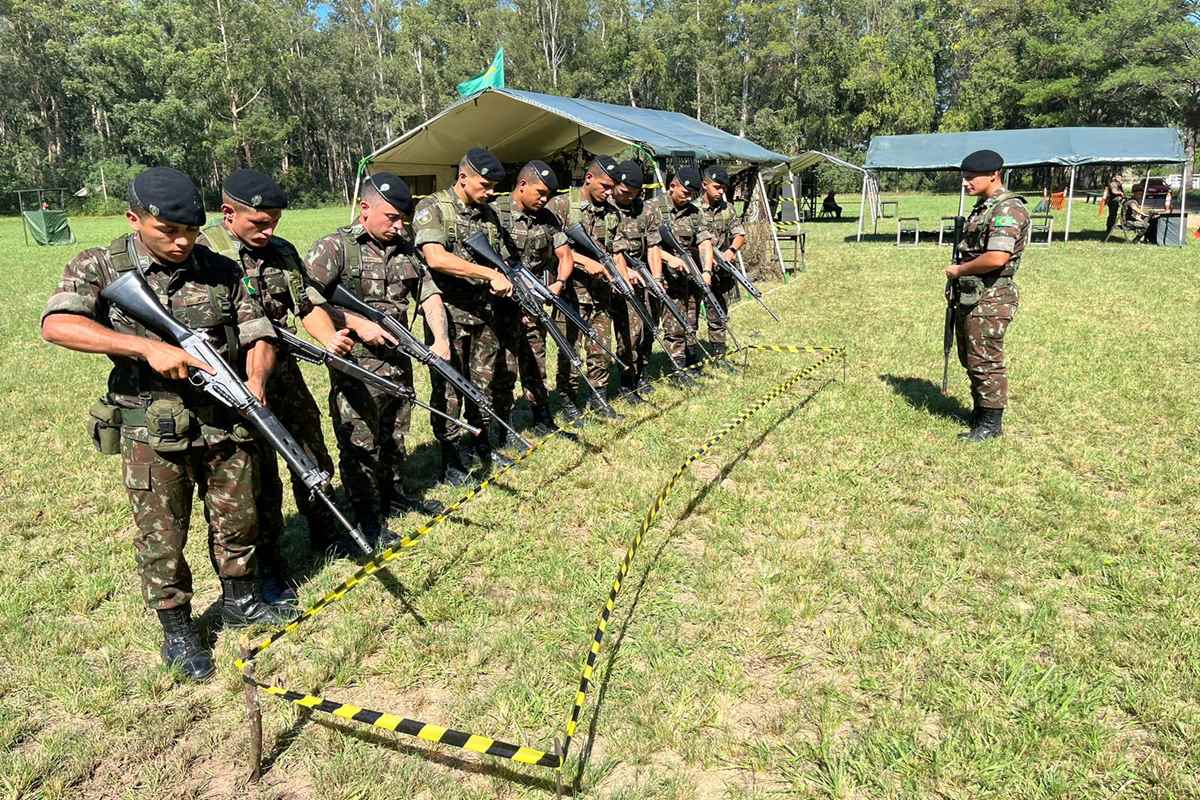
(925, 395)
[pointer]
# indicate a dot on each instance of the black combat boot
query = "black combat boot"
(402, 503)
(490, 456)
(272, 579)
(719, 352)
(241, 605)
(629, 392)
(543, 420)
(644, 386)
(181, 644)
(573, 414)
(682, 379)
(973, 420)
(455, 471)
(988, 427)
(603, 410)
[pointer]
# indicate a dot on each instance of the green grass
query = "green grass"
(854, 606)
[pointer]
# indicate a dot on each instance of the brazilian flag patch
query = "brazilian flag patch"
(1004, 220)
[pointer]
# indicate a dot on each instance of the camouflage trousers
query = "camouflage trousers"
(485, 353)
(290, 400)
(531, 362)
(597, 314)
(980, 337)
(687, 297)
(370, 426)
(160, 488)
(632, 337)
(723, 289)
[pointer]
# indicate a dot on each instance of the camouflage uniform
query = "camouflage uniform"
(725, 225)
(688, 224)
(637, 232)
(370, 424)
(592, 294)
(998, 224)
(274, 276)
(536, 236)
(483, 333)
(202, 446)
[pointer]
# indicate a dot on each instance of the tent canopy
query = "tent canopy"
(518, 126)
(802, 161)
(1028, 148)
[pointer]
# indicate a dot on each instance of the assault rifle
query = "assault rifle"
(743, 280)
(951, 305)
(692, 271)
(661, 295)
(307, 351)
(131, 294)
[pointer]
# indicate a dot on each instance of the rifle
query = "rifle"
(307, 351)
(951, 306)
(531, 303)
(744, 280)
(693, 272)
(416, 350)
(131, 294)
(581, 240)
(670, 305)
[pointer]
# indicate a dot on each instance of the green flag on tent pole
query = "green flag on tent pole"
(493, 77)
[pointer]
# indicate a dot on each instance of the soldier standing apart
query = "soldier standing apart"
(174, 439)
(637, 237)
(540, 244)
(590, 289)
(375, 261)
(989, 255)
(251, 206)
(687, 222)
(1114, 195)
(479, 329)
(729, 236)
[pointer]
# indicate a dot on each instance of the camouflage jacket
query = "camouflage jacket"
(536, 236)
(1000, 224)
(273, 275)
(205, 293)
(724, 223)
(442, 218)
(600, 222)
(637, 228)
(688, 224)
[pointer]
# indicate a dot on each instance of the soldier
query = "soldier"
(637, 236)
(590, 289)
(376, 262)
(478, 332)
(990, 253)
(540, 244)
(173, 438)
(1114, 195)
(251, 206)
(687, 222)
(729, 236)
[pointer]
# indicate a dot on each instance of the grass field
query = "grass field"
(839, 601)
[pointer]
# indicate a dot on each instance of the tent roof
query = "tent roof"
(805, 160)
(517, 126)
(1027, 148)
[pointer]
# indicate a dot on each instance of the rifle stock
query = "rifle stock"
(951, 292)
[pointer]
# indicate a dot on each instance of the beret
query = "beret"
(688, 177)
(607, 165)
(167, 194)
(392, 189)
(545, 174)
(486, 164)
(630, 174)
(717, 174)
(983, 161)
(253, 188)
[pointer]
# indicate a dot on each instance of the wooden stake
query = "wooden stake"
(253, 717)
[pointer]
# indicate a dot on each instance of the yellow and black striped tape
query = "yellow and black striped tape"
(475, 742)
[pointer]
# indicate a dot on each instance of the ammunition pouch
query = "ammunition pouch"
(972, 288)
(104, 427)
(168, 425)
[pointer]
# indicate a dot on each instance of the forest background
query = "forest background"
(92, 90)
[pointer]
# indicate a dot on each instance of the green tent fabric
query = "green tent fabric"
(49, 226)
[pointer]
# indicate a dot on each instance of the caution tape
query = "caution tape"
(476, 743)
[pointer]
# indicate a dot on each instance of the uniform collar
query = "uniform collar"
(146, 262)
(362, 237)
(719, 206)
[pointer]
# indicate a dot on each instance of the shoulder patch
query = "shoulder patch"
(423, 216)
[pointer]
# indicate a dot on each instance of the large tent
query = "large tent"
(805, 160)
(1066, 147)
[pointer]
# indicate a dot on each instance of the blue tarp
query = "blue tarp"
(518, 126)
(1028, 148)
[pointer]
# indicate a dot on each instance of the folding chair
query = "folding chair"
(906, 225)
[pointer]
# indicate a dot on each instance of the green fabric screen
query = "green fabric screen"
(49, 226)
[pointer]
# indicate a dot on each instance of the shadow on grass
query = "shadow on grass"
(925, 395)
(693, 504)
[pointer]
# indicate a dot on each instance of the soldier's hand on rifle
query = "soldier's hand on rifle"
(953, 271)
(635, 279)
(341, 342)
(675, 262)
(556, 288)
(256, 387)
(500, 285)
(171, 361)
(708, 279)
(372, 334)
(441, 349)
(730, 255)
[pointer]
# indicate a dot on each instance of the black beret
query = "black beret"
(545, 174)
(983, 161)
(717, 174)
(607, 165)
(486, 164)
(253, 188)
(393, 190)
(167, 194)
(630, 174)
(688, 177)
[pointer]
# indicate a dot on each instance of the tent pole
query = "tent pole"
(1185, 179)
(795, 200)
(357, 186)
(862, 207)
(762, 190)
(962, 195)
(1145, 186)
(1070, 201)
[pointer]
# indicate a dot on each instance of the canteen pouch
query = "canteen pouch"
(104, 427)
(970, 290)
(168, 425)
